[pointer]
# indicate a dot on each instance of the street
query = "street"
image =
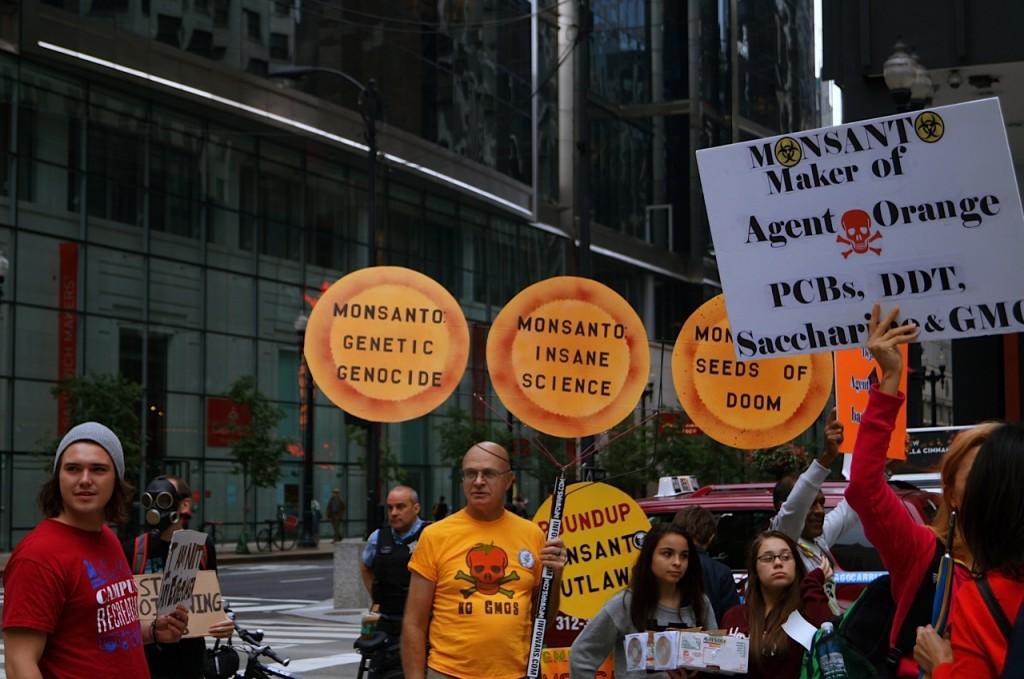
(290, 602)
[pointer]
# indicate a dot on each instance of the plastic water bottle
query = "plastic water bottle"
(830, 657)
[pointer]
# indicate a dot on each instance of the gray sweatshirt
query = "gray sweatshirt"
(606, 631)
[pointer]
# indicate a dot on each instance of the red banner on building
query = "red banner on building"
(67, 326)
(225, 421)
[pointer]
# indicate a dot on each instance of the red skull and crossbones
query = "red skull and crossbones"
(487, 565)
(859, 236)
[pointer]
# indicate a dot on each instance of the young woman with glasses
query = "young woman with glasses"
(778, 587)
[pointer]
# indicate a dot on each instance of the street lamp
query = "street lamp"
(931, 377)
(370, 108)
(899, 72)
(921, 87)
(308, 537)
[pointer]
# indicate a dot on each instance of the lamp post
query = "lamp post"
(5, 265)
(370, 108)
(308, 538)
(931, 377)
(899, 72)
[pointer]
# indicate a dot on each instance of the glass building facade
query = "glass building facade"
(167, 218)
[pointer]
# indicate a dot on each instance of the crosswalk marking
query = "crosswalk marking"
(284, 634)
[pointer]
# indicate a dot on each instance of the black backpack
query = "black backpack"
(865, 626)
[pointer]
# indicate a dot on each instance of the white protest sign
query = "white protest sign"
(184, 556)
(919, 209)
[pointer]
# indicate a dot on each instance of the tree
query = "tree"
(111, 400)
(390, 468)
(780, 461)
(257, 450)
(638, 455)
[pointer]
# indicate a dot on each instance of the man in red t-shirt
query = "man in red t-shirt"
(70, 601)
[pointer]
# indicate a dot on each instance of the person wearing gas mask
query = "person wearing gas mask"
(168, 506)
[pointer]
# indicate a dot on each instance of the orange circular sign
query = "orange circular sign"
(568, 356)
(387, 344)
(745, 404)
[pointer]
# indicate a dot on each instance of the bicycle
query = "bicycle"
(281, 532)
(223, 662)
(381, 652)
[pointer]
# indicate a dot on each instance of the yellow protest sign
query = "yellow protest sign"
(568, 356)
(207, 606)
(387, 344)
(749, 404)
(603, 530)
(555, 665)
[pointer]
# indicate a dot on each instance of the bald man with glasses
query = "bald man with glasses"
(474, 580)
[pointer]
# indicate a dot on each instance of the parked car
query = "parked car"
(743, 510)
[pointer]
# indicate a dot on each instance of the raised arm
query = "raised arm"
(886, 522)
(793, 514)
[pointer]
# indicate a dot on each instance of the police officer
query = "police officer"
(386, 557)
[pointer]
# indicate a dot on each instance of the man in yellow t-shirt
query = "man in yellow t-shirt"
(474, 579)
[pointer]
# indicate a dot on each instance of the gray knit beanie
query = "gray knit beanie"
(97, 433)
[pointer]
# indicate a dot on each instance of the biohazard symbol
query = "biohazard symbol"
(929, 127)
(788, 152)
(859, 236)
(487, 565)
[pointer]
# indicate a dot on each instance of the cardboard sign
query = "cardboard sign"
(603, 530)
(753, 404)
(555, 665)
(919, 209)
(387, 344)
(207, 607)
(568, 356)
(184, 556)
(855, 373)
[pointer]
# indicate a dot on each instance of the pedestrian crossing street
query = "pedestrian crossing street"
(296, 637)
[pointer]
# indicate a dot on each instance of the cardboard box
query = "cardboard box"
(711, 651)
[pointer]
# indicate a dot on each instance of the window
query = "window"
(168, 30)
(278, 46)
(252, 25)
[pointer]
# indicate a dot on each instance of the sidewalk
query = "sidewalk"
(226, 554)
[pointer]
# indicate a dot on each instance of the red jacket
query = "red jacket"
(906, 547)
(979, 648)
(814, 608)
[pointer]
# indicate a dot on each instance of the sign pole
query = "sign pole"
(547, 579)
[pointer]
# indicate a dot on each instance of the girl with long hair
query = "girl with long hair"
(777, 587)
(992, 522)
(666, 590)
(908, 550)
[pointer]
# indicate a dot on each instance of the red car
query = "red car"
(744, 509)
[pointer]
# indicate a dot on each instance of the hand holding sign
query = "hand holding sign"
(884, 339)
(184, 556)
(170, 628)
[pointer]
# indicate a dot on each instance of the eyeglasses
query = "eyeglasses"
(488, 474)
(768, 557)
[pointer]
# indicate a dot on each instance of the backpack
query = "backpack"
(1014, 635)
(862, 631)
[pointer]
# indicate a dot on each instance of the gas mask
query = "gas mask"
(160, 501)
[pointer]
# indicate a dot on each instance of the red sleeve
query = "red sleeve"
(814, 606)
(906, 547)
(33, 596)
